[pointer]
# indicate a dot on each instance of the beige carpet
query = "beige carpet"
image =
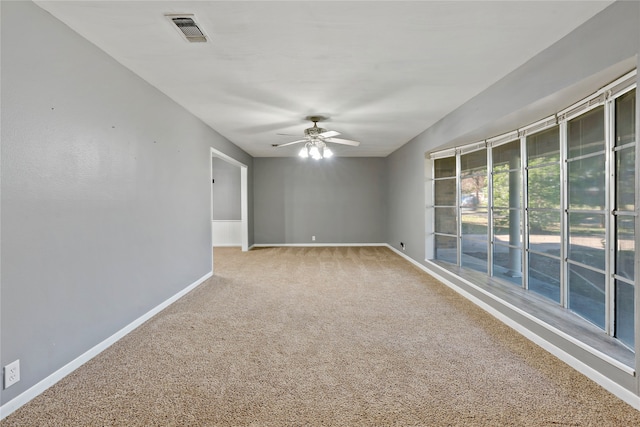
(323, 337)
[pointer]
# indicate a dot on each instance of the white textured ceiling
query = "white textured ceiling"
(382, 72)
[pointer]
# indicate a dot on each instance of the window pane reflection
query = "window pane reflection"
(544, 232)
(501, 190)
(445, 221)
(543, 147)
(587, 183)
(502, 220)
(625, 179)
(586, 294)
(586, 239)
(475, 188)
(544, 276)
(474, 253)
(585, 134)
(507, 189)
(625, 118)
(445, 192)
(544, 187)
(625, 246)
(475, 223)
(446, 249)
(625, 329)
(507, 263)
(506, 156)
(474, 163)
(444, 167)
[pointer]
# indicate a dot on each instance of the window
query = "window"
(544, 213)
(586, 215)
(445, 211)
(507, 212)
(624, 149)
(551, 208)
(473, 210)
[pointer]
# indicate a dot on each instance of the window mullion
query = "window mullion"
(524, 220)
(490, 204)
(458, 210)
(610, 183)
(564, 276)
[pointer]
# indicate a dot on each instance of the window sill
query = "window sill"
(549, 315)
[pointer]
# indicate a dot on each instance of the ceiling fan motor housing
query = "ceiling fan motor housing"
(314, 131)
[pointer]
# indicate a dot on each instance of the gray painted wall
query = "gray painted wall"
(339, 200)
(226, 191)
(105, 195)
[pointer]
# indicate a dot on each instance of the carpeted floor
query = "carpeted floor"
(340, 336)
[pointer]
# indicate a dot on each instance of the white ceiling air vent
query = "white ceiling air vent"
(188, 28)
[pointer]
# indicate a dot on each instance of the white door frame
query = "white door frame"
(244, 204)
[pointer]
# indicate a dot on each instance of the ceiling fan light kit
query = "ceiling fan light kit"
(316, 139)
(315, 150)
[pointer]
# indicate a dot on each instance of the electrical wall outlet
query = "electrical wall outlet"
(11, 373)
(313, 238)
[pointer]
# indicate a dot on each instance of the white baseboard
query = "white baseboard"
(610, 385)
(18, 401)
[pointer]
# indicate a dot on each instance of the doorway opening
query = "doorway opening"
(244, 222)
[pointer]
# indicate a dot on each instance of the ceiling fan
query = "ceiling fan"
(316, 139)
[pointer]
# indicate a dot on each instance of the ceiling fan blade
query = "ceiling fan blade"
(342, 141)
(289, 143)
(329, 134)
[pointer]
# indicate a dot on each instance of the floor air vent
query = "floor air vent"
(188, 28)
